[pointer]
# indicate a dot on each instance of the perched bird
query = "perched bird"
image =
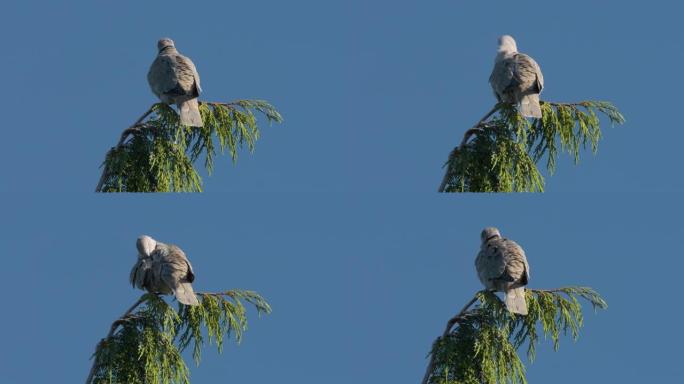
(502, 266)
(163, 268)
(174, 79)
(517, 78)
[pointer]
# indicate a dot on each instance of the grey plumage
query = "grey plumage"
(174, 79)
(163, 268)
(502, 266)
(517, 78)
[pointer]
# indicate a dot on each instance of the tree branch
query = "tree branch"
(124, 135)
(563, 314)
(214, 103)
(127, 316)
(121, 320)
(447, 330)
(479, 127)
(587, 127)
(135, 127)
(145, 125)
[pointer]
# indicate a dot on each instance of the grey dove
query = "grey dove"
(174, 79)
(502, 266)
(517, 78)
(163, 268)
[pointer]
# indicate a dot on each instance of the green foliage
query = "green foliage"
(157, 154)
(145, 345)
(483, 348)
(503, 156)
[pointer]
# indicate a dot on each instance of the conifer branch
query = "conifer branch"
(145, 343)
(134, 128)
(124, 135)
(483, 347)
(503, 156)
(157, 153)
(113, 328)
(450, 324)
(479, 127)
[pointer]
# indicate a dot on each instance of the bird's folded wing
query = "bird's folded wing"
(162, 74)
(516, 261)
(191, 274)
(175, 279)
(527, 73)
(139, 273)
(502, 77)
(490, 263)
(188, 78)
(133, 278)
(174, 261)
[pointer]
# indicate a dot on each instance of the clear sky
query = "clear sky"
(334, 218)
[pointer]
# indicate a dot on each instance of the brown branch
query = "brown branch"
(215, 103)
(555, 290)
(477, 128)
(224, 293)
(557, 104)
(135, 127)
(124, 135)
(121, 320)
(447, 330)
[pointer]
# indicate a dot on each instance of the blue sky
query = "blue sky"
(334, 218)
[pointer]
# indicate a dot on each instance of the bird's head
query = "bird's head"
(164, 43)
(507, 44)
(172, 248)
(489, 233)
(145, 245)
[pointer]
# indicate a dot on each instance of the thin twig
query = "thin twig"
(447, 330)
(558, 104)
(113, 328)
(124, 135)
(215, 103)
(562, 290)
(455, 319)
(477, 128)
(134, 127)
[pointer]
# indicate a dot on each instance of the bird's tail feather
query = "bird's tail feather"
(189, 113)
(185, 294)
(529, 106)
(515, 301)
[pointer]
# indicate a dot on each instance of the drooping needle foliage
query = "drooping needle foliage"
(507, 147)
(480, 345)
(145, 345)
(158, 154)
